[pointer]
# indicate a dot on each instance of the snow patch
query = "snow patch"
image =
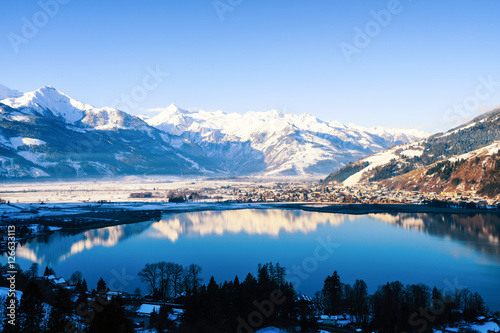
(376, 160)
(23, 118)
(17, 142)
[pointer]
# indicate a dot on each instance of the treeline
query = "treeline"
(168, 280)
(268, 300)
(443, 170)
(396, 307)
(393, 168)
(490, 184)
(256, 302)
(259, 301)
(345, 172)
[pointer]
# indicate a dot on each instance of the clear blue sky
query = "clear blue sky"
(264, 55)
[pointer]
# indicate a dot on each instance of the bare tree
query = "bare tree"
(149, 275)
(76, 277)
(33, 270)
(177, 271)
(165, 277)
(192, 277)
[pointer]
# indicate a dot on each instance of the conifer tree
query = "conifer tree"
(31, 310)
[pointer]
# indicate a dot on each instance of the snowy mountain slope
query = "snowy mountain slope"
(46, 133)
(48, 101)
(462, 143)
(477, 171)
(280, 144)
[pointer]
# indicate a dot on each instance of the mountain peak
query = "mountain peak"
(171, 116)
(47, 88)
(172, 107)
(51, 92)
(49, 99)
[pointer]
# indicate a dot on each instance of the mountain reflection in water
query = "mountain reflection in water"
(430, 248)
(479, 231)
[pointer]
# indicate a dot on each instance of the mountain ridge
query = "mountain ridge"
(440, 163)
(57, 136)
(312, 145)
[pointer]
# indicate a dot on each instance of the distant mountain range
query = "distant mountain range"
(45, 133)
(275, 143)
(465, 158)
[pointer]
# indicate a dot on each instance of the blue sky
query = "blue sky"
(285, 55)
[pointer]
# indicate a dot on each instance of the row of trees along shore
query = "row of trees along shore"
(266, 299)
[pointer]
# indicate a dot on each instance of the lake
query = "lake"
(442, 250)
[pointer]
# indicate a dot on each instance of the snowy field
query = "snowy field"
(115, 190)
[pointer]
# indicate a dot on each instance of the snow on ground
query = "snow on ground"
(458, 130)
(147, 309)
(488, 151)
(5, 291)
(102, 168)
(115, 190)
(17, 142)
(23, 118)
(6, 209)
(376, 160)
(4, 141)
(36, 158)
(412, 153)
(486, 327)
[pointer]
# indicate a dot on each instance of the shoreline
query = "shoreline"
(77, 217)
(364, 209)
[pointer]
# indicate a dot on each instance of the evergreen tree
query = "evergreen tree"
(112, 319)
(101, 286)
(361, 308)
(161, 322)
(61, 311)
(31, 310)
(332, 290)
(84, 287)
(48, 271)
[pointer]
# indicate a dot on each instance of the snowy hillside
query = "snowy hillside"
(458, 153)
(45, 133)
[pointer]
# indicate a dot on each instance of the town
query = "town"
(317, 192)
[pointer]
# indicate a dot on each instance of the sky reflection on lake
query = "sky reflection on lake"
(412, 248)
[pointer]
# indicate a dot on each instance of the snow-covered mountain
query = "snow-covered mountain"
(276, 143)
(464, 158)
(47, 133)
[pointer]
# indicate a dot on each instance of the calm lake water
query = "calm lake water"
(442, 250)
